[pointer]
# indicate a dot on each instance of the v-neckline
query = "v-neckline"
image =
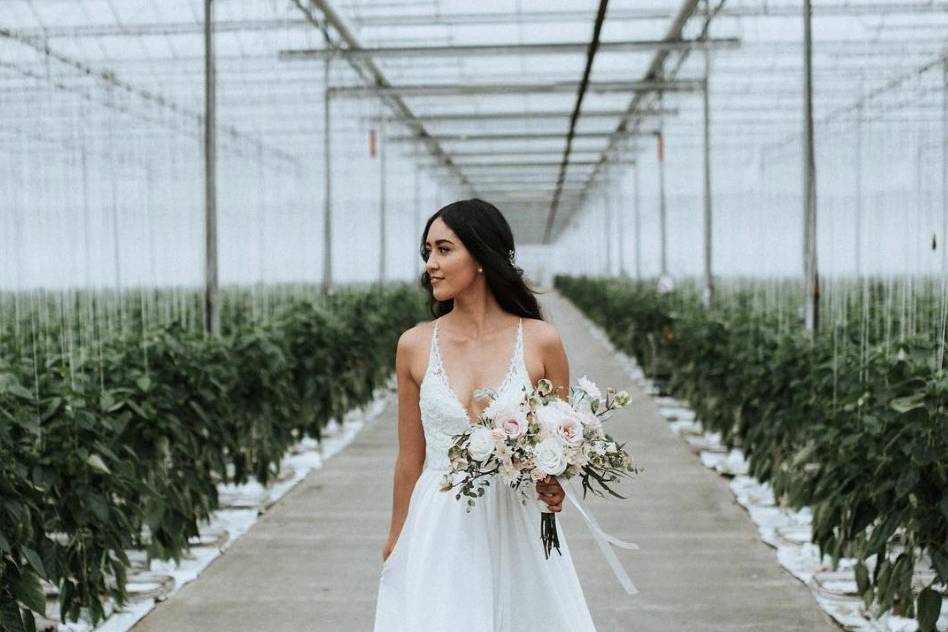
(447, 381)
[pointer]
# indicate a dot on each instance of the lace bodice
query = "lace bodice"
(443, 414)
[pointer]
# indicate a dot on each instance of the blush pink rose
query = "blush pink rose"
(569, 431)
(512, 422)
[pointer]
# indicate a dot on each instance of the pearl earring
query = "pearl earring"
(480, 269)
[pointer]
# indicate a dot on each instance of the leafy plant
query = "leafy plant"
(122, 446)
(854, 428)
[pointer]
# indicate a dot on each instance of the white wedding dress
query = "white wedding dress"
(482, 571)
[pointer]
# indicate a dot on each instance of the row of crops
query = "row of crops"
(851, 421)
(117, 426)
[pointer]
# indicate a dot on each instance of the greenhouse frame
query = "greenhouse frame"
(212, 237)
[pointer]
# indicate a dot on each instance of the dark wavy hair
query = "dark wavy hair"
(486, 234)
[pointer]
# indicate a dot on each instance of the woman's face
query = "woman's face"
(450, 265)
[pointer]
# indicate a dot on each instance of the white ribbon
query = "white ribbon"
(602, 538)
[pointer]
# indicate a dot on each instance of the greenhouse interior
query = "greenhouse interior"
(216, 309)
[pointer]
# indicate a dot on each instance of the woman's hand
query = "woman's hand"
(551, 492)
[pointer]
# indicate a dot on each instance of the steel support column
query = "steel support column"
(857, 193)
(810, 272)
(660, 141)
(212, 316)
(707, 296)
(327, 184)
(636, 222)
(383, 254)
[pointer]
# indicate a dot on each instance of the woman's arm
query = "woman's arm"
(411, 437)
(555, 362)
(556, 370)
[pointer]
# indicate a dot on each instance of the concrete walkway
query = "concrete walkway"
(312, 562)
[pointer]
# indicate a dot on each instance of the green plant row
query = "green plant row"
(858, 433)
(129, 455)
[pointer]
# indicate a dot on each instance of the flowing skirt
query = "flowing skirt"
(477, 571)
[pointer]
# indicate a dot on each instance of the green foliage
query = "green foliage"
(124, 448)
(858, 432)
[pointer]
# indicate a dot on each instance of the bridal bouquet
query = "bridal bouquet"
(526, 437)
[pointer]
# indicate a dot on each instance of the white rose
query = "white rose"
(550, 456)
(591, 421)
(590, 387)
(551, 413)
(481, 444)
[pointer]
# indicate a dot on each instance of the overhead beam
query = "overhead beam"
(487, 117)
(517, 152)
(475, 89)
(490, 50)
(577, 108)
(381, 82)
(527, 179)
(545, 163)
(516, 177)
(545, 192)
(537, 169)
(582, 163)
(767, 10)
(504, 17)
(160, 29)
(532, 186)
(108, 77)
(534, 180)
(654, 71)
(519, 136)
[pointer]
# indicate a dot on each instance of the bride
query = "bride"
(443, 567)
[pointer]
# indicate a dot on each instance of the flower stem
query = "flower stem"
(548, 533)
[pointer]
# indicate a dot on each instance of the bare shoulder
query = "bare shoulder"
(413, 336)
(551, 361)
(544, 334)
(411, 351)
